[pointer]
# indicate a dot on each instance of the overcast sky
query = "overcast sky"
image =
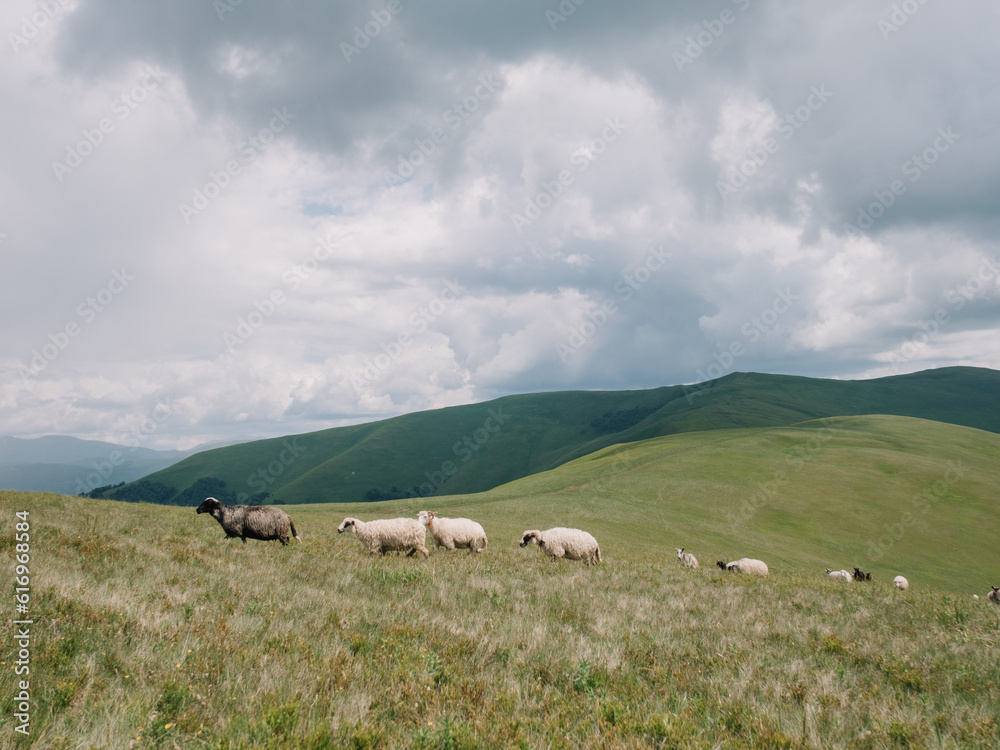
(247, 219)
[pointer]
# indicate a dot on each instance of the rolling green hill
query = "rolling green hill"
(473, 448)
(892, 495)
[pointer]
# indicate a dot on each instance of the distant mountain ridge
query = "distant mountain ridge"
(69, 465)
(473, 448)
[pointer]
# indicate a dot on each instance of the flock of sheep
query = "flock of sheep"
(409, 535)
(398, 534)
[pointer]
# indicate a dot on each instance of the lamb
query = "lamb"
(860, 575)
(687, 559)
(454, 532)
(839, 575)
(559, 542)
(900, 583)
(994, 595)
(746, 565)
(254, 522)
(384, 534)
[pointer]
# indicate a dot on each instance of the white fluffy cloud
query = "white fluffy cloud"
(229, 216)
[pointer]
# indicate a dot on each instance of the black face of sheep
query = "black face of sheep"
(210, 505)
(345, 526)
(722, 565)
(526, 540)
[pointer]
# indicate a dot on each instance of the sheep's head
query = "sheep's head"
(721, 564)
(531, 536)
(348, 524)
(426, 516)
(210, 505)
(680, 553)
(828, 571)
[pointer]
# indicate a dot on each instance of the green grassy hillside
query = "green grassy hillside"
(154, 631)
(473, 448)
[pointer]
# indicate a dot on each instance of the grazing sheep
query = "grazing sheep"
(994, 595)
(251, 522)
(900, 583)
(384, 534)
(572, 544)
(746, 565)
(687, 559)
(839, 575)
(453, 532)
(860, 575)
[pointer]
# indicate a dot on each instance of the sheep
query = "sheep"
(687, 559)
(572, 544)
(454, 532)
(994, 595)
(860, 575)
(745, 565)
(900, 583)
(254, 521)
(839, 575)
(384, 534)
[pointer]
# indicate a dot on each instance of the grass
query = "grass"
(153, 631)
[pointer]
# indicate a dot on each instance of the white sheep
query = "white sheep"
(687, 559)
(900, 583)
(454, 532)
(384, 534)
(559, 542)
(840, 575)
(746, 565)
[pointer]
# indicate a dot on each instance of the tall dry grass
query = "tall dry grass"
(155, 632)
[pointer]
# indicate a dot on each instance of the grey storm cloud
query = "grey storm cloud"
(625, 194)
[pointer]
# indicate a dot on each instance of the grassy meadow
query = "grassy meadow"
(153, 631)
